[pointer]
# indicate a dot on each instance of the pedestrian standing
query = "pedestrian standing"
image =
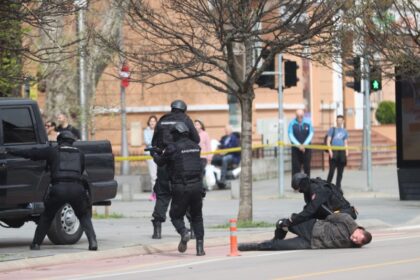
(67, 164)
(182, 158)
(63, 124)
(205, 143)
(148, 136)
(300, 134)
(161, 139)
(51, 128)
(337, 137)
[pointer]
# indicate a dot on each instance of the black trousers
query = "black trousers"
(301, 242)
(338, 161)
(185, 197)
(163, 195)
(301, 159)
(60, 194)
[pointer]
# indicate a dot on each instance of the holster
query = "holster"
(88, 188)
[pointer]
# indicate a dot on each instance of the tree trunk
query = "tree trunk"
(245, 192)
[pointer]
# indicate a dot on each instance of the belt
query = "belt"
(185, 182)
(63, 180)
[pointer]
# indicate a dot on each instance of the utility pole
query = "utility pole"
(367, 123)
(27, 87)
(125, 167)
(280, 126)
(82, 4)
(125, 77)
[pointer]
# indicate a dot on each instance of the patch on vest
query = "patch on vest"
(190, 151)
(313, 196)
(168, 123)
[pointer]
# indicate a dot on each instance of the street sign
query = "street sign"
(125, 75)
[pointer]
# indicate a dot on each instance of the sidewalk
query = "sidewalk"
(131, 234)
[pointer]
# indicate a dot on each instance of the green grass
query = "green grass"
(246, 224)
(110, 216)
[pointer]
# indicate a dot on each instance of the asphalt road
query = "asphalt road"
(391, 255)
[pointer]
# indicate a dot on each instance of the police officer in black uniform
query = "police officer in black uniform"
(162, 137)
(182, 159)
(66, 164)
(321, 198)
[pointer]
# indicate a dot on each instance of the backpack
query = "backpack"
(326, 138)
(337, 200)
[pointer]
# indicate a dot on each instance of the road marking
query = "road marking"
(181, 265)
(139, 269)
(347, 269)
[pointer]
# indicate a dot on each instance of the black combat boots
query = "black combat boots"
(200, 248)
(87, 226)
(35, 246)
(185, 237)
(280, 233)
(157, 230)
(93, 244)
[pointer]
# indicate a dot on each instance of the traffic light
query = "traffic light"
(267, 80)
(375, 78)
(354, 72)
(290, 73)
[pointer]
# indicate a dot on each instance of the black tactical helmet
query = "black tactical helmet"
(299, 181)
(66, 136)
(180, 128)
(179, 104)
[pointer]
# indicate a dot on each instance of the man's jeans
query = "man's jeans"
(227, 159)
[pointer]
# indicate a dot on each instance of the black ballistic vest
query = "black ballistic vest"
(166, 124)
(336, 201)
(186, 164)
(69, 164)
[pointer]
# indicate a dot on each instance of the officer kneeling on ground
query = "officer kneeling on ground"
(66, 164)
(338, 230)
(182, 159)
(321, 198)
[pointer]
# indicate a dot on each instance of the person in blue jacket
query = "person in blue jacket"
(300, 133)
(229, 140)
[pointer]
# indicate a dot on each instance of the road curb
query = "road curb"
(117, 253)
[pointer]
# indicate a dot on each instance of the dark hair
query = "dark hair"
(52, 123)
(340, 116)
(367, 237)
(201, 123)
(150, 118)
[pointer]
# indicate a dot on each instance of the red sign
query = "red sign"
(125, 75)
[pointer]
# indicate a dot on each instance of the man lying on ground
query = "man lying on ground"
(338, 230)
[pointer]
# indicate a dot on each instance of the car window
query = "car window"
(17, 126)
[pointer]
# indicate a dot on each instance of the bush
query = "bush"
(385, 114)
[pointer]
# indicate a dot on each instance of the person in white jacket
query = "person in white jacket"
(148, 136)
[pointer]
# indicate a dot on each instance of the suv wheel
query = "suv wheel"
(65, 228)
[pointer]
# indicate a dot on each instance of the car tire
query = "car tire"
(65, 228)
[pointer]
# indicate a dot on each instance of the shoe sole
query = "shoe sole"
(182, 247)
